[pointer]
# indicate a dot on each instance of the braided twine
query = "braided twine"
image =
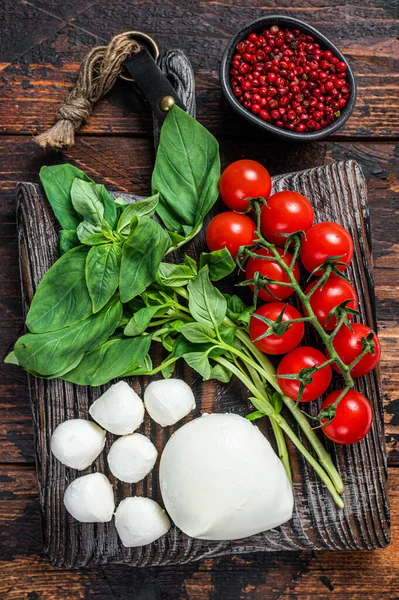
(97, 75)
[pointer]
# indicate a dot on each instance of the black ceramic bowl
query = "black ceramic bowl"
(258, 26)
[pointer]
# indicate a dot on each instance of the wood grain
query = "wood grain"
(341, 575)
(44, 67)
(47, 42)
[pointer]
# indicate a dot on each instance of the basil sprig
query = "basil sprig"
(89, 317)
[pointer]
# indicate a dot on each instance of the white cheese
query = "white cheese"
(132, 457)
(90, 499)
(168, 400)
(140, 521)
(77, 443)
(221, 480)
(119, 410)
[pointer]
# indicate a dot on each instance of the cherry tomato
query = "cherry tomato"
(286, 212)
(230, 230)
(353, 417)
(276, 344)
(241, 180)
(324, 240)
(296, 360)
(348, 345)
(271, 269)
(329, 295)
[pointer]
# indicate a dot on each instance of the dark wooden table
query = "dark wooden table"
(41, 44)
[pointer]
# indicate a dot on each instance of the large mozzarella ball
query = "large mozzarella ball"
(140, 521)
(221, 479)
(168, 400)
(77, 443)
(119, 410)
(90, 499)
(132, 457)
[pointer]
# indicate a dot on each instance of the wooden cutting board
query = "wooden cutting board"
(338, 193)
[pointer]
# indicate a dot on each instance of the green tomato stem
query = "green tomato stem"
(278, 434)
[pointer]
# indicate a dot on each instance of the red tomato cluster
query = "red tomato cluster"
(283, 214)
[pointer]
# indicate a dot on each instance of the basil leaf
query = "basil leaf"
(207, 305)
(121, 203)
(143, 208)
(197, 333)
(237, 311)
(183, 346)
(57, 183)
(11, 359)
(173, 275)
(186, 173)
(139, 322)
(190, 262)
(227, 334)
(220, 373)
(109, 361)
(141, 256)
(253, 416)
(51, 352)
(95, 239)
(67, 240)
(220, 263)
(145, 366)
(86, 200)
(199, 362)
(167, 372)
(102, 273)
(62, 298)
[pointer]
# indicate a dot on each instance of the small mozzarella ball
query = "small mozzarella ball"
(140, 521)
(119, 410)
(90, 499)
(132, 457)
(77, 443)
(168, 400)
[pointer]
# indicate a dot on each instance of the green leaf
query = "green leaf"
(186, 173)
(199, 362)
(253, 416)
(143, 208)
(102, 273)
(57, 183)
(145, 366)
(110, 208)
(182, 346)
(95, 239)
(11, 359)
(62, 298)
(198, 333)
(51, 352)
(139, 322)
(207, 305)
(109, 361)
(237, 311)
(190, 262)
(141, 256)
(220, 373)
(86, 200)
(167, 372)
(68, 239)
(220, 263)
(173, 275)
(121, 202)
(95, 205)
(168, 342)
(227, 334)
